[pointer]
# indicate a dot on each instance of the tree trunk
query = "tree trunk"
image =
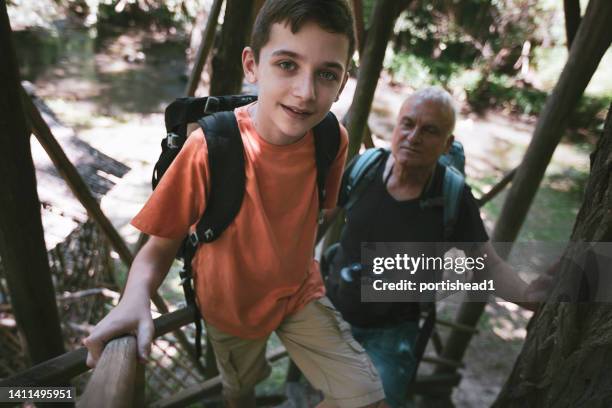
(572, 20)
(22, 245)
(384, 14)
(227, 67)
(567, 356)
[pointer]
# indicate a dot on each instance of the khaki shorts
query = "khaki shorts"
(319, 341)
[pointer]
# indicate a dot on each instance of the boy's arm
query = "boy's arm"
(133, 313)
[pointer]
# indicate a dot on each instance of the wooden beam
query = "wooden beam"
(357, 6)
(384, 14)
(69, 365)
(497, 188)
(22, 245)
(227, 68)
(572, 20)
(204, 49)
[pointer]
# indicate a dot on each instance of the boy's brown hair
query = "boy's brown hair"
(334, 16)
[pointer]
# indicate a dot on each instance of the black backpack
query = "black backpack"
(214, 114)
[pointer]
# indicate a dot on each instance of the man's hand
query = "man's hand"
(538, 290)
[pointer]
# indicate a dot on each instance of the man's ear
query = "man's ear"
(449, 143)
(249, 65)
(346, 76)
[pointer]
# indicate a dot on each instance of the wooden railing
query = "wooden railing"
(117, 365)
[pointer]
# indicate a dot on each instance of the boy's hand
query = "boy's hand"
(131, 316)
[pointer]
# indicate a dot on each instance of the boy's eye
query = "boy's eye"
(328, 76)
(286, 65)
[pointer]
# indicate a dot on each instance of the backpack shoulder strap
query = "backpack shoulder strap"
(359, 173)
(227, 177)
(327, 144)
(452, 189)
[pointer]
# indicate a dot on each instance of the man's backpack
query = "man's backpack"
(214, 114)
(362, 170)
(359, 174)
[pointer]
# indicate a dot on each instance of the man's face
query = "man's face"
(299, 76)
(422, 133)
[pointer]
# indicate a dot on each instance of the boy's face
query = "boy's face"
(299, 76)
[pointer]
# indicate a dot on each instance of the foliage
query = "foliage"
(492, 53)
(157, 13)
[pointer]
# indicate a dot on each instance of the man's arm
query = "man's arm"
(508, 284)
(133, 313)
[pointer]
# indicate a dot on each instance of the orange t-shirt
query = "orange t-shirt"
(261, 268)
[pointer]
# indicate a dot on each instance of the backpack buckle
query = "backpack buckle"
(209, 234)
(172, 140)
(211, 105)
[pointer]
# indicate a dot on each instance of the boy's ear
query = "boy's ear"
(249, 65)
(346, 76)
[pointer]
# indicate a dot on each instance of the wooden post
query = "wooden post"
(22, 245)
(117, 378)
(204, 49)
(357, 6)
(384, 14)
(592, 41)
(227, 67)
(572, 20)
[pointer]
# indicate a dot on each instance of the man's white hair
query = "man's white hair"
(439, 95)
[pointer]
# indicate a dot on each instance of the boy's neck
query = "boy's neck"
(267, 131)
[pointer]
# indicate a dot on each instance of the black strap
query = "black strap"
(227, 175)
(327, 144)
(186, 275)
(424, 334)
(189, 110)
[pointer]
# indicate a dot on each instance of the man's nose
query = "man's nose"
(304, 87)
(413, 135)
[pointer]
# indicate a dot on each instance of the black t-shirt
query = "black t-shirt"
(378, 217)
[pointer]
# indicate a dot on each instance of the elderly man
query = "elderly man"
(390, 209)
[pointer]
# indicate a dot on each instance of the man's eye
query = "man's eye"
(286, 65)
(431, 130)
(328, 76)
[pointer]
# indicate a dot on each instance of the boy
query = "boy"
(258, 277)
